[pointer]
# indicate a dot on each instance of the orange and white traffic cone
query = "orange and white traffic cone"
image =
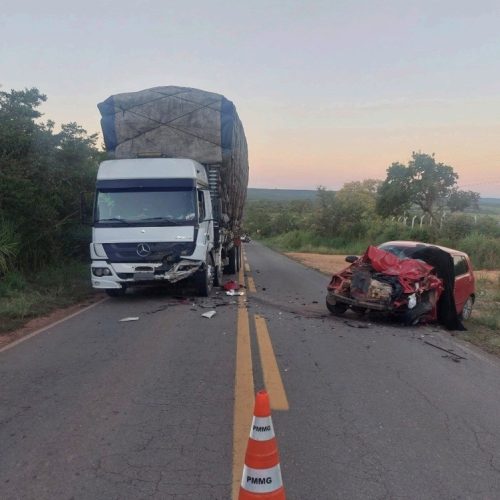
(262, 474)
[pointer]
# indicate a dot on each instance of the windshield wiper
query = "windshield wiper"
(114, 219)
(161, 219)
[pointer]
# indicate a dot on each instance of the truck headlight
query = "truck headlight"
(101, 271)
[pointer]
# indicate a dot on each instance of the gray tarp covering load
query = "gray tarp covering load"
(180, 122)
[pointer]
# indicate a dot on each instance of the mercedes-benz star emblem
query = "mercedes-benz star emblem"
(143, 250)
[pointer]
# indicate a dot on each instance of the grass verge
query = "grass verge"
(484, 326)
(25, 297)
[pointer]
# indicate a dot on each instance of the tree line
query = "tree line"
(371, 212)
(42, 173)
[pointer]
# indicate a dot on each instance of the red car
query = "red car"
(409, 279)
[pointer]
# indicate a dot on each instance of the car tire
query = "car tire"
(413, 316)
(467, 308)
(360, 311)
(337, 309)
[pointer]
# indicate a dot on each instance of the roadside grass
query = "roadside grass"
(483, 250)
(306, 242)
(23, 297)
(484, 325)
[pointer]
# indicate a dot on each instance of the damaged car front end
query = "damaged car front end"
(379, 281)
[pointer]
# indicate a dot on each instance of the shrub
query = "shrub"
(483, 250)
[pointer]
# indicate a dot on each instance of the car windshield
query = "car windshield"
(400, 251)
(145, 206)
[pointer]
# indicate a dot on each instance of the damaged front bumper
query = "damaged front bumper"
(335, 298)
(122, 274)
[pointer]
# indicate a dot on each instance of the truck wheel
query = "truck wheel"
(231, 268)
(204, 280)
(116, 292)
(338, 309)
(238, 258)
(218, 276)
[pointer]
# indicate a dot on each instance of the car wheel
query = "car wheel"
(467, 309)
(360, 311)
(413, 316)
(338, 308)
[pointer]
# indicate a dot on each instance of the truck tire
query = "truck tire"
(232, 266)
(218, 271)
(218, 280)
(238, 258)
(204, 280)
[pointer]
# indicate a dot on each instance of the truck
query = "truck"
(169, 199)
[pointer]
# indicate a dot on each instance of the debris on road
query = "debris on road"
(357, 325)
(231, 285)
(209, 314)
(232, 293)
(131, 318)
(453, 355)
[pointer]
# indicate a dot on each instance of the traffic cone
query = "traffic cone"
(261, 477)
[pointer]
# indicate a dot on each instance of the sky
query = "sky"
(328, 91)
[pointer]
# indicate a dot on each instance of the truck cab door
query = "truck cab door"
(210, 217)
(206, 218)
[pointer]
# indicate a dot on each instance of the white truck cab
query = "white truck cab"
(153, 221)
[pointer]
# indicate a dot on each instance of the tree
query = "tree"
(458, 200)
(41, 176)
(423, 182)
(394, 193)
(348, 212)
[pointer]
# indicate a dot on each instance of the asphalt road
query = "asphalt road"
(95, 408)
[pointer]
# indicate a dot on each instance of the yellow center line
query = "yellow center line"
(243, 392)
(251, 285)
(272, 376)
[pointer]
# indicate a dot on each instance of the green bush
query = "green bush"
(483, 250)
(9, 246)
(12, 282)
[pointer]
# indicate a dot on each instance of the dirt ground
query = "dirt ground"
(327, 264)
(493, 276)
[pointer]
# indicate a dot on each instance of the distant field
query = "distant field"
(486, 205)
(489, 206)
(280, 194)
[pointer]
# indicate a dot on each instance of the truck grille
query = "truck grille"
(169, 252)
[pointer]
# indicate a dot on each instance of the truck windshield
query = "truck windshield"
(152, 207)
